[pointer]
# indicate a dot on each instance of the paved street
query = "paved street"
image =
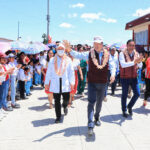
(32, 127)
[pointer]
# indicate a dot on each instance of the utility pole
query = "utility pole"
(48, 19)
(18, 31)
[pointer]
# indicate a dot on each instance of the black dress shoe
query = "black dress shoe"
(130, 111)
(15, 106)
(65, 111)
(97, 122)
(57, 120)
(125, 114)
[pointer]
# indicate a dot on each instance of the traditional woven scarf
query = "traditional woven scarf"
(95, 61)
(60, 71)
(128, 57)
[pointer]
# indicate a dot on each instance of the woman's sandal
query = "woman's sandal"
(51, 105)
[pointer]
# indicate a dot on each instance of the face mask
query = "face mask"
(60, 52)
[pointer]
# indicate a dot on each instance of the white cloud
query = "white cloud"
(90, 17)
(65, 25)
(78, 5)
(109, 20)
(141, 12)
(74, 15)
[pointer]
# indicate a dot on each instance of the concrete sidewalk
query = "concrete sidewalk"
(32, 127)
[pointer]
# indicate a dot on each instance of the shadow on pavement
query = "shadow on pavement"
(72, 131)
(116, 95)
(115, 119)
(39, 108)
(44, 122)
(84, 99)
(37, 88)
(142, 110)
(43, 98)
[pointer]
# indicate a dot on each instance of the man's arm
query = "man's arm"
(78, 55)
(123, 63)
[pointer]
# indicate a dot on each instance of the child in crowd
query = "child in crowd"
(31, 73)
(21, 81)
(28, 81)
(38, 68)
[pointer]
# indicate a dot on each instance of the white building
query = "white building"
(141, 31)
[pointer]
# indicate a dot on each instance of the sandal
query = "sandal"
(51, 106)
(144, 103)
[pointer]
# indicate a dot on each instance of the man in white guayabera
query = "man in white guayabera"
(61, 79)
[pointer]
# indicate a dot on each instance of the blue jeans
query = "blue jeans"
(96, 92)
(37, 78)
(27, 87)
(31, 82)
(2, 88)
(136, 90)
(6, 87)
(13, 89)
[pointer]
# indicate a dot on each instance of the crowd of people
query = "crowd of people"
(66, 70)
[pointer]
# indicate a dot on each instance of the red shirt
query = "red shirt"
(7, 76)
(147, 73)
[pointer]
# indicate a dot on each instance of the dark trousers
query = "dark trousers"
(22, 88)
(136, 90)
(147, 91)
(96, 92)
(57, 98)
(42, 80)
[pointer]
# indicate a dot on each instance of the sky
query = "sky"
(77, 21)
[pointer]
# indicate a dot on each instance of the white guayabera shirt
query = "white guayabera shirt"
(68, 78)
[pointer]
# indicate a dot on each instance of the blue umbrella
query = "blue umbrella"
(51, 45)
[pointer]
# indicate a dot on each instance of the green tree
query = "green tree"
(44, 36)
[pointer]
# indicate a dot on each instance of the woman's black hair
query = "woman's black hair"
(79, 46)
(130, 41)
(48, 56)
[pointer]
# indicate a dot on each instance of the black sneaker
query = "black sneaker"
(57, 120)
(97, 122)
(130, 111)
(125, 114)
(90, 131)
(65, 111)
(15, 106)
